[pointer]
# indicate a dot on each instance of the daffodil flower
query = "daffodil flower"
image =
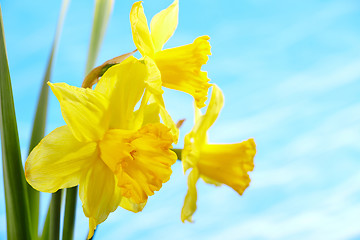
(114, 161)
(180, 67)
(215, 163)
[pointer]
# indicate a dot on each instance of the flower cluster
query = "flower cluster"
(116, 144)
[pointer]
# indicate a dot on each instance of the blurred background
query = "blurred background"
(290, 73)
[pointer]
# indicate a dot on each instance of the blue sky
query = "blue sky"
(290, 73)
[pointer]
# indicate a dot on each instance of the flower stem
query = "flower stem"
(69, 218)
(55, 209)
(178, 152)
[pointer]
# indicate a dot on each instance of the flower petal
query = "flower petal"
(150, 114)
(141, 160)
(140, 30)
(124, 85)
(228, 164)
(58, 161)
(189, 206)
(99, 194)
(84, 111)
(195, 140)
(153, 82)
(129, 205)
(204, 122)
(154, 85)
(165, 116)
(180, 68)
(163, 25)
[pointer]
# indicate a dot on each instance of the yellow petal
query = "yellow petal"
(58, 161)
(84, 111)
(163, 25)
(124, 85)
(129, 205)
(194, 141)
(228, 164)
(165, 116)
(150, 114)
(153, 82)
(141, 160)
(189, 206)
(204, 122)
(140, 30)
(153, 87)
(99, 194)
(180, 68)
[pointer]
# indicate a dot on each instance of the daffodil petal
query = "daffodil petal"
(153, 87)
(163, 25)
(180, 68)
(129, 205)
(204, 122)
(58, 161)
(165, 116)
(140, 30)
(124, 85)
(153, 82)
(195, 140)
(189, 206)
(99, 194)
(228, 164)
(150, 114)
(84, 111)
(190, 153)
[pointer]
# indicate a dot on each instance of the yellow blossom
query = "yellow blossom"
(215, 163)
(114, 161)
(180, 67)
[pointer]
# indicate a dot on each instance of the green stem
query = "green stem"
(178, 152)
(55, 209)
(69, 218)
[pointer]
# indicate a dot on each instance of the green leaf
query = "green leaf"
(102, 13)
(38, 130)
(55, 208)
(17, 206)
(69, 217)
(45, 232)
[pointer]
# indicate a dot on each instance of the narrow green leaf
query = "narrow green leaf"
(17, 206)
(46, 228)
(55, 209)
(102, 13)
(38, 130)
(69, 218)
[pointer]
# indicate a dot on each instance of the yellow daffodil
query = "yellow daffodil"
(180, 67)
(215, 163)
(115, 161)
